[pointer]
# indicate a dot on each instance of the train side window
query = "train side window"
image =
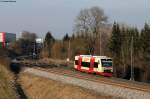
(76, 62)
(85, 64)
(95, 65)
(109, 59)
(103, 59)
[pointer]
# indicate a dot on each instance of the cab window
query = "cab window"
(85, 64)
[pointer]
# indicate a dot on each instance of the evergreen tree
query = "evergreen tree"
(115, 42)
(136, 41)
(124, 48)
(127, 40)
(48, 43)
(145, 40)
(115, 46)
(66, 37)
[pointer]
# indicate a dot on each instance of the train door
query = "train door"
(79, 63)
(98, 65)
(92, 60)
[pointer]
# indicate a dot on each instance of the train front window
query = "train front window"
(106, 62)
(85, 64)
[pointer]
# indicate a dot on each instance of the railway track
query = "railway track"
(95, 78)
(109, 81)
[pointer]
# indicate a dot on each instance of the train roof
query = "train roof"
(86, 55)
(93, 56)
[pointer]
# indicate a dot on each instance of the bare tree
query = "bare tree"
(83, 21)
(28, 36)
(48, 44)
(88, 23)
(90, 20)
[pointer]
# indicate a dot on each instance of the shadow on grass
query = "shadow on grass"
(16, 68)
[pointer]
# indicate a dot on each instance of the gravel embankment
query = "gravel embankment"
(37, 87)
(98, 87)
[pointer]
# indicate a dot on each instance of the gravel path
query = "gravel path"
(98, 87)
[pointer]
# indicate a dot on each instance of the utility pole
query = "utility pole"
(68, 59)
(100, 43)
(132, 67)
(34, 49)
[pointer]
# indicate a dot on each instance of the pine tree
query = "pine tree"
(136, 41)
(145, 41)
(115, 46)
(66, 37)
(48, 43)
(123, 48)
(115, 42)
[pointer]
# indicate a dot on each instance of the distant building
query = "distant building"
(39, 44)
(6, 38)
(39, 40)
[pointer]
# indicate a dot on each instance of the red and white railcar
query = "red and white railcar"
(94, 64)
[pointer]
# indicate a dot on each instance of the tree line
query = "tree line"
(130, 46)
(94, 35)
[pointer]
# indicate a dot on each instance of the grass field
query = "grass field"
(7, 88)
(7, 91)
(42, 88)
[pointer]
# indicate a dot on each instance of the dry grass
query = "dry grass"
(50, 60)
(7, 91)
(5, 62)
(42, 88)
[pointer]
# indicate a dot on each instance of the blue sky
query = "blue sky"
(58, 16)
